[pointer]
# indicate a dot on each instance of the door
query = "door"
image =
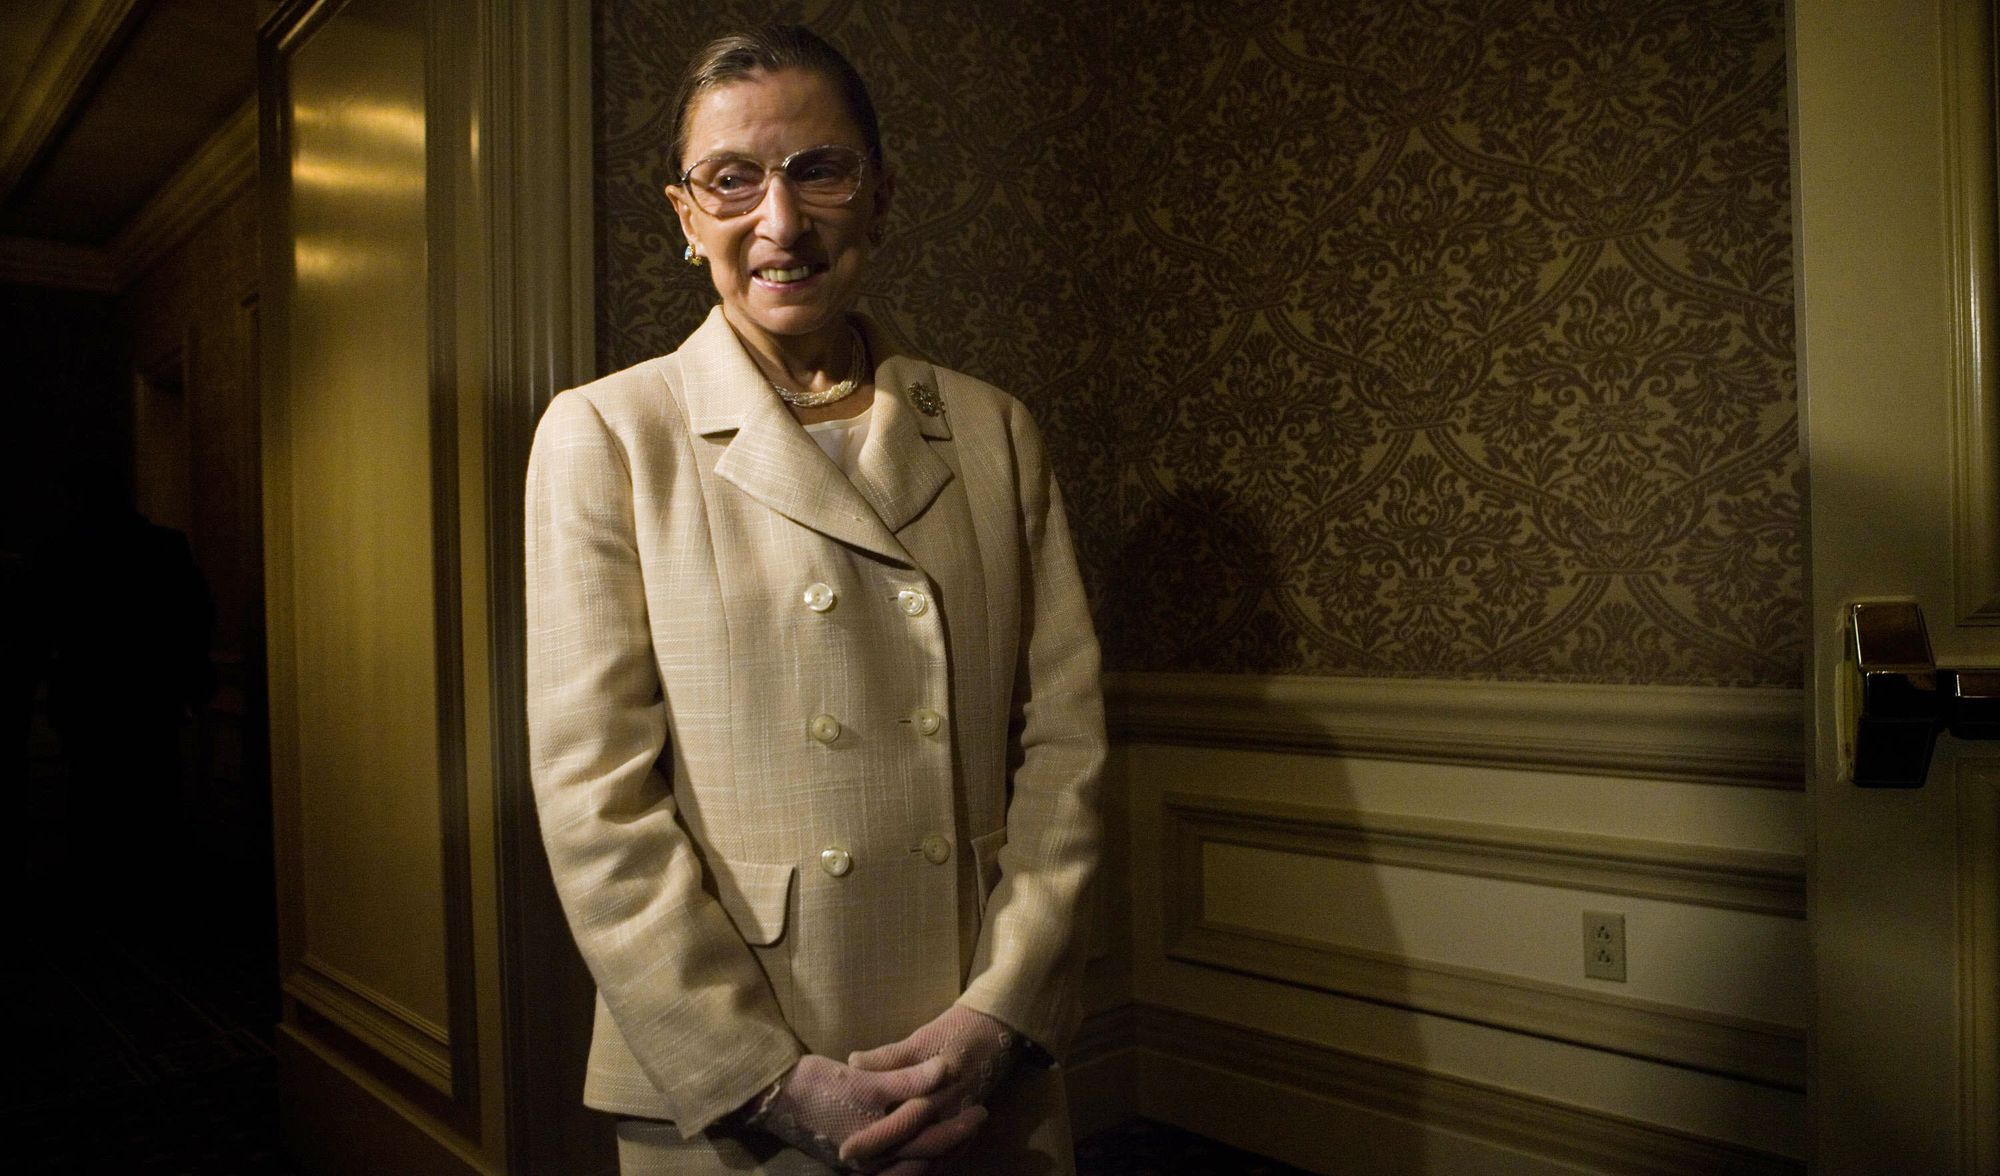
(1893, 173)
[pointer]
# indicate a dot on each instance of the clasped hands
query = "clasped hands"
(897, 1109)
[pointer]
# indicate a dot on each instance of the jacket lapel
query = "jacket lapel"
(898, 473)
(771, 458)
(776, 462)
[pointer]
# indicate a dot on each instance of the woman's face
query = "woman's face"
(785, 269)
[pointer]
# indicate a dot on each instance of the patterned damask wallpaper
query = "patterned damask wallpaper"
(1441, 338)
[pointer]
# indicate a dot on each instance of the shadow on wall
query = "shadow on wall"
(1229, 899)
(1278, 970)
(1229, 610)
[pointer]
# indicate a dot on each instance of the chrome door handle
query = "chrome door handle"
(1895, 700)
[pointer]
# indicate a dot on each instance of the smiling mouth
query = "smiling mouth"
(781, 277)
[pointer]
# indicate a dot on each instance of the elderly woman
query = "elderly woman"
(813, 692)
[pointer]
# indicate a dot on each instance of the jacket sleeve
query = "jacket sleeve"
(680, 983)
(1027, 967)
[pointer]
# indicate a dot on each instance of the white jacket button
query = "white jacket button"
(912, 602)
(819, 597)
(824, 728)
(926, 720)
(836, 861)
(937, 850)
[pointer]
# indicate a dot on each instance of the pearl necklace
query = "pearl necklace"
(856, 358)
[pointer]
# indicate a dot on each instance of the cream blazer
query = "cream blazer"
(814, 757)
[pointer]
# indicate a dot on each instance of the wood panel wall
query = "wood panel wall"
(369, 753)
(426, 229)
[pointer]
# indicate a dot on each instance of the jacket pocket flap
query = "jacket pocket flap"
(755, 895)
(986, 856)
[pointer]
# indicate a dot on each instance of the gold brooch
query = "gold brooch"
(925, 398)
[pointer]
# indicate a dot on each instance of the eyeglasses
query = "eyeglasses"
(827, 176)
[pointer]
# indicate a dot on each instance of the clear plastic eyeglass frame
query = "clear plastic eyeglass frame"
(722, 205)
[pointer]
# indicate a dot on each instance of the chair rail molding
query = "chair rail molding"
(1753, 736)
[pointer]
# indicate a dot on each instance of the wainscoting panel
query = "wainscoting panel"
(1389, 947)
(361, 528)
(1453, 931)
(1726, 879)
(417, 1043)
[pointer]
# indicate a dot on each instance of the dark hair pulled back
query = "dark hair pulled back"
(737, 56)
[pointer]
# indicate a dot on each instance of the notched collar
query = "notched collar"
(775, 461)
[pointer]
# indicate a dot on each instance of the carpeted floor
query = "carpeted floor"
(1145, 1148)
(129, 1057)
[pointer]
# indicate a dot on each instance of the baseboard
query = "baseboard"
(1102, 1076)
(1334, 1112)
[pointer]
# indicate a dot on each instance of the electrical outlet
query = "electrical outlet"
(1603, 945)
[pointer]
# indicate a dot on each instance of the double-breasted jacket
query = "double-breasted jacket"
(815, 756)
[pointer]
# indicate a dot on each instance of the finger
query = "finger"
(883, 1088)
(942, 1138)
(886, 1057)
(888, 1133)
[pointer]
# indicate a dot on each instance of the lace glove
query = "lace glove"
(977, 1050)
(847, 1118)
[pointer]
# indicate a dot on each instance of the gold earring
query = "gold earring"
(691, 257)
